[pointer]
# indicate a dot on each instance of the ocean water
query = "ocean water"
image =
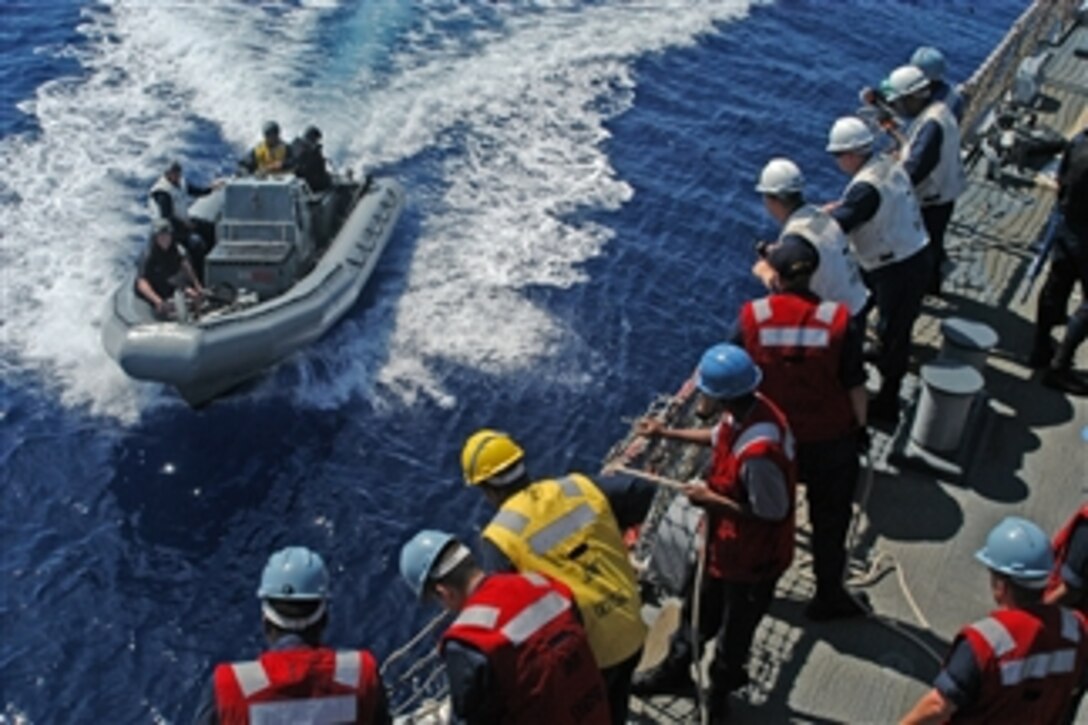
(579, 229)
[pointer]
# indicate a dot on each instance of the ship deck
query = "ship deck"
(1025, 454)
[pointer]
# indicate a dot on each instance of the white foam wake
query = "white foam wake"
(517, 105)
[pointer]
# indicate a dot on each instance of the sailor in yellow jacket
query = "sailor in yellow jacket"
(567, 528)
(270, 156)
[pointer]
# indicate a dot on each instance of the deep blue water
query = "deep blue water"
(580, 227)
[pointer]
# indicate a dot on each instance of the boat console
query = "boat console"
(264, 237)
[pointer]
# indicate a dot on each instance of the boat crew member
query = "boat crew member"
(164, 268)
(810, 353)
(1068, 583)
(931, 156)
(297, 679)
(516, 652)
(933, 64)
(270, 156)
(880, 216)
(748, 498)
(169, 198)
(838, 277)
(1027, 660)
(1068, 266)
(309, 161)
(568, 528)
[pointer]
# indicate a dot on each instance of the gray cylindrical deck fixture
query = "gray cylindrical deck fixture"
(949, 388)
(967, 341)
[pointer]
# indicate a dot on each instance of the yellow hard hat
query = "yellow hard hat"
(491, 456)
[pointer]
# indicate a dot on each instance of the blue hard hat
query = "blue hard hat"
(294, 573)
(726, 372)
(1019, 549)
(420, 556)
(930, 60)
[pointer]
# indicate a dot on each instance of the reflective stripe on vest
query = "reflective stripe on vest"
(251, 677)
(761, 309)
(569, 487)
(825, 312)
(1038, 666)
(478, 616)
(793, 337)
(896, 231)
(996, 635)
(763, 431)
(535, 617)
(1070, 626)
(837, 277)
(512, 521)
(315, 711)
(347, 668)
(566, 525)
(522, 626)
(535, 578)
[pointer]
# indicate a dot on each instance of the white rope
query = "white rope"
(427, 631)
(874, 573)
(694, 634)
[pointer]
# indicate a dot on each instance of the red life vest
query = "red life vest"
(1061, 551)
(797, 341)
(1030, 660)
(744, 548)
(312, 685)
(539, 655)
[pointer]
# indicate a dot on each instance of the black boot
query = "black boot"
(884, 408)
(1066, 380)
(837, 605)
(717, 705)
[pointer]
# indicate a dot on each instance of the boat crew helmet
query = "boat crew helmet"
(271, 128)
(1020, 550)
(312, 134)
(906, 80)
(429, 556)
(849, 133)
(727, 372)
(294, 575)
(492, 457)
(780, 176)
(930, 60)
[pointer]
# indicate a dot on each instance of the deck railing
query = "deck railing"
(1043, 20)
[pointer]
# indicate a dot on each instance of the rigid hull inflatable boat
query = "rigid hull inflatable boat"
(287, 265)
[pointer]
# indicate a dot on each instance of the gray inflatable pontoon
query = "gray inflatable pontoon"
(286, 266)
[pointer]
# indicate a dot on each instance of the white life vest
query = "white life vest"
(837, 278)
(896, 231)
(178, 194)
(948, 179)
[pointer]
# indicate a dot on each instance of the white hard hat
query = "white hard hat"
(906, 80)
(780, 176)
(849, 133)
